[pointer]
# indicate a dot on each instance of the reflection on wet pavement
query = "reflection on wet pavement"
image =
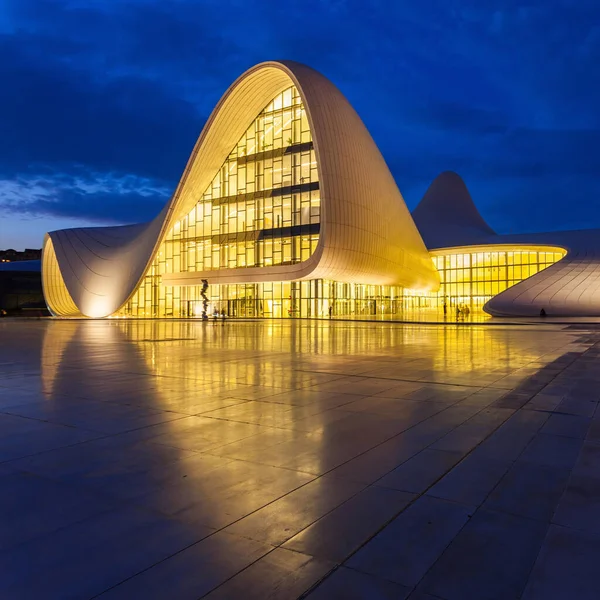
(152, 459)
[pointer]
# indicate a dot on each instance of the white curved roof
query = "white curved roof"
(366, 234)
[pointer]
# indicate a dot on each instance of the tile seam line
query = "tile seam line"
(425, 382)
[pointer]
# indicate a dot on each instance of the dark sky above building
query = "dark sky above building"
(102, 101)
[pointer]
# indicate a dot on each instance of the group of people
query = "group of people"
(216, 316)
(462, 311)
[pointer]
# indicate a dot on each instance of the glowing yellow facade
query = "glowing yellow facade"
(473, 275)
(55, 291)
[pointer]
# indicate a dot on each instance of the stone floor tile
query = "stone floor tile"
(83, 559)
(279, 575)
(483, 397)
(579, 507)
(371, 465)
(409, 412)
(192, 572)
(514, 399)
(32, 506)
(284, 518)
(575, 406)
(104, 417)
(202, 433)
(511, 438)
(140, 480)
(343, 530)
(567, 567)
(529, 490)
(48, 436)
(567, 425)
(410, 545)
(469, 434)
(552, 450)
(419, 595)
(588, 462)
(222, 496)
(471, 480)
(103, 462)
(593, 434)
(348, 584)
(421, 471)
(543, 401)
(490, 558)
(399, 390)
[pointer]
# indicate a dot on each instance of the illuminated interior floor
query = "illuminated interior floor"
(425, 315)
(176, 459)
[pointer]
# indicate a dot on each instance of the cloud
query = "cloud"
(101, 197)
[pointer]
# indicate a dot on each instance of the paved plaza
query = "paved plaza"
(276, 459)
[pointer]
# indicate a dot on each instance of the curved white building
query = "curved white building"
(286, 208)
(285, 184)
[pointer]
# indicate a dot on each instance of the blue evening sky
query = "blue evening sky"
(101, 101)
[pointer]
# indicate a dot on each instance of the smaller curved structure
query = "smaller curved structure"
(91, 271)
(447, 215)
(569, 288)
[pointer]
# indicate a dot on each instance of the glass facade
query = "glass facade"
(473, 276)
(312, 298)
(263, 208)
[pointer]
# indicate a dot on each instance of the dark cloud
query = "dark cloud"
(102, 207)
(101, 101)
(93, 197)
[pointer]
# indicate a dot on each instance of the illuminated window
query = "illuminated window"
(491, 272)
